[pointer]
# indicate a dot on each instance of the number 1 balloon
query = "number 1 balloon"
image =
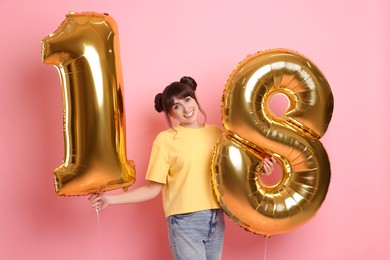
(254, 132)
(85, 51)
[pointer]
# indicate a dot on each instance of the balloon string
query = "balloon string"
(265, 247)
(100, 233)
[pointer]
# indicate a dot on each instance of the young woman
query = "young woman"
(180, 167)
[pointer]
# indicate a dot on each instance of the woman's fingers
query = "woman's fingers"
(268, 165)
(273, 160)
(96, 201)
(94, 198)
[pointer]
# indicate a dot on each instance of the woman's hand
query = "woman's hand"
(99, 202)
(268, 166)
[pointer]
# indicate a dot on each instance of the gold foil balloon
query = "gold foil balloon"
(254, 132)
(85, 51)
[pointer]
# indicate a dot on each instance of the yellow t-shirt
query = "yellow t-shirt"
(181, 160)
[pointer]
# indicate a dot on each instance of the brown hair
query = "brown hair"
(178, 89)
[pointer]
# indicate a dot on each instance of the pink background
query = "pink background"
(160, 42)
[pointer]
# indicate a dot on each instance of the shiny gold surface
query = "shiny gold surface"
(254, 132)
(85, 51)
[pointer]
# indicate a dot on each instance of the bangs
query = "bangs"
(179, 91)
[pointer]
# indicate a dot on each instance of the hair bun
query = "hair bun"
(158, 105)
(189, 82)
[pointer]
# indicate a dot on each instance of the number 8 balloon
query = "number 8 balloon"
(85, 51)
(254, 132)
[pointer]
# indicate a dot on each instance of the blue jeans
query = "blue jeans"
(197, 235)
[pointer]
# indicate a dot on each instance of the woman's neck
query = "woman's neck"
(193, 125)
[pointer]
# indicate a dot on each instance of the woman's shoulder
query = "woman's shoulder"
(214, 128)
(165, 133)
(165, 136)
(177, 132)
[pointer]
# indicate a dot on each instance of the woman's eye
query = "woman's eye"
(187, 99)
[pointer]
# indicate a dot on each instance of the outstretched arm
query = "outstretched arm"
(143, 193)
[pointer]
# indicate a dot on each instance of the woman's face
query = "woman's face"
(186, 110)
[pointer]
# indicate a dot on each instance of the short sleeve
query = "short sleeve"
(158, 167)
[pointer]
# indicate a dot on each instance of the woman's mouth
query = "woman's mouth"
(188, 115)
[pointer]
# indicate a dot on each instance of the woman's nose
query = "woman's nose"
(185, 108)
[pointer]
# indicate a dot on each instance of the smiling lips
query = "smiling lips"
(189, 115)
